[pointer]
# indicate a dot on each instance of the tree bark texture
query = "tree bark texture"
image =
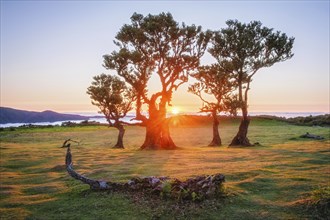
(120, 142)
(241, 137)
(94, 184)
(152, 139)
(157, 130)
(158, 136)
(216, 141)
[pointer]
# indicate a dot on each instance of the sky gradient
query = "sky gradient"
(50, 50)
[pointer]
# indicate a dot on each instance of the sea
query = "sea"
(95, 117)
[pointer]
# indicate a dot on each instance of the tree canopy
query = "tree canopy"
(157, 44)
(111, 96)
(114, 99)
(213, 82)
(241, 50)
(215, 88)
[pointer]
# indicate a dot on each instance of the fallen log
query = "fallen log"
(197, 188)
(312, 136)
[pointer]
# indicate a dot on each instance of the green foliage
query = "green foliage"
(166, 189)
(215, 82)
(194, 196)
(183, 193)
(157, 44)
(242, 49)
(111, 96)
(319, 120)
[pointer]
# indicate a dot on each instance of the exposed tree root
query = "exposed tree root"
(197, 188)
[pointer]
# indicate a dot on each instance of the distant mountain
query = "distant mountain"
(10, 115)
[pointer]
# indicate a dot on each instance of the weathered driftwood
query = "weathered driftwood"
(194, 188)
(312, 136)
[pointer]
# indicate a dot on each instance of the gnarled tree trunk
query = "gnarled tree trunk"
(167, 141)
(241, 137)
(216, 141)
(157, 130)
(158, 136)
(152, 139)
(120, 143)
(153, 129)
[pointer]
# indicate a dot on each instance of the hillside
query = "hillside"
(10, 115)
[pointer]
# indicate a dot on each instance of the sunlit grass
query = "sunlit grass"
(263, 181)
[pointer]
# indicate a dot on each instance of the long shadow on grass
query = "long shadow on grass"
(119, 165)
(317, 158)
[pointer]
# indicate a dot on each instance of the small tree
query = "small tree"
(156, 45)
(212, 81)
(243, 49)
(114, 99)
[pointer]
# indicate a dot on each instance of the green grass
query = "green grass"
(262, 182)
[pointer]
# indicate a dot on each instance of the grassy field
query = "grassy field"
(271, 181)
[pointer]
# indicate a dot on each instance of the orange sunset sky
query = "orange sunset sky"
(50, 50)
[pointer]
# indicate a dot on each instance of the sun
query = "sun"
(175, 110)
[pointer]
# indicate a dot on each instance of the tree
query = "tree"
(212, 81)
(156, 44)
(114, 99)
(243, 49)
